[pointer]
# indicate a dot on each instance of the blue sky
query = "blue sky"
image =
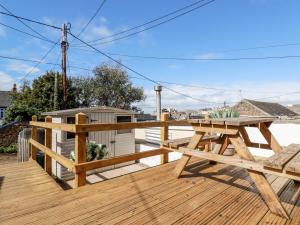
(205, 33)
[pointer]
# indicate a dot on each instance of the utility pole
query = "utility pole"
(64, 45)
(158, 89)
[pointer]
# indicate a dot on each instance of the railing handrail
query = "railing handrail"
(81, 128)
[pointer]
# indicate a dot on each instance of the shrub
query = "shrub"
(227, 113)
(9, 149)
(94, 151)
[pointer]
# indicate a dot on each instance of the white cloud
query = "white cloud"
(103, 20)
(21, 68)
(6, 81)
(209, 55)
(281, 92)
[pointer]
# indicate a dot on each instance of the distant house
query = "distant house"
(295, 108)
(4, 103)
(248, 107)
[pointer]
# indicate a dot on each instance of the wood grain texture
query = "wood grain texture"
(80, 150)
(264, 129)
(293, 166)
(279, 160)
(164, 135)
(216, 194)
(259, 179)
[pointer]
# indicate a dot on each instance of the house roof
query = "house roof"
(87, 110)
(4, 98)
(295, 108)
(272, 108)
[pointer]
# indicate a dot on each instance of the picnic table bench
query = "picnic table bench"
(180, 142)
(285, 162)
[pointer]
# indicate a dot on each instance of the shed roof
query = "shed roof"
(87, 110)
(4, 98)
(272, 108)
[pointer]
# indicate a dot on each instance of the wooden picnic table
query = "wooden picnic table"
(232, 131)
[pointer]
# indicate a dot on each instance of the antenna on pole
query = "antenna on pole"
(158, 89)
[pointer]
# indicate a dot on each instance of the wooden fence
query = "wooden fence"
(81, 128)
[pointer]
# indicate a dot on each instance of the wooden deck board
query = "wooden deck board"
(217, 194)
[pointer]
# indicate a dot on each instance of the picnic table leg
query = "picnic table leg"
(185, 158)
(259, 179)
(220, 148)
(264, 129)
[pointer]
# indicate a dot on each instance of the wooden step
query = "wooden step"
(279, 160)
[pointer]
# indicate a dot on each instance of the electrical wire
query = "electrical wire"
(20, 19)
(26, 33)
(201, 59)
(42, 59)
(37, 61)
(29, 20)
(150, 27)
(92, 18)
(139, 74)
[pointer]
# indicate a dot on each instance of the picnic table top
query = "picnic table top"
(239, 121)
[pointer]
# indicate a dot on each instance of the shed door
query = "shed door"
(125, 142)
(103, 137)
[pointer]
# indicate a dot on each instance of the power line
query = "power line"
(139, 74)
(26, 33)
(29, 20)
(198, 59)
(21, 20)
(146, 23)
(39, 62)
(91, 19)
(153, 26)
(207, 59)
(134, 77)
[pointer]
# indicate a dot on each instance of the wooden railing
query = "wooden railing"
(80, 128)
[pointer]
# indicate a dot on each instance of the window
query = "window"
(70, 120)
(2, 112)
(123, 119)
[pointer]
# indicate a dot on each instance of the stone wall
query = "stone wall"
(9, 134)
(246, 109)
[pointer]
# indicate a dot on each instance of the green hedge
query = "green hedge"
(10, 149)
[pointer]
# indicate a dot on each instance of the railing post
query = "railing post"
(80, 150)
(48, 144)
(34, 137)
(164, 135)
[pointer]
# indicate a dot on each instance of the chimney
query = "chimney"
(14, 89)
(158, 89)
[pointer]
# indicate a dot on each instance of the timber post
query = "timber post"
(48, 144)
(80, 150)
(33, 137)
(164, 135)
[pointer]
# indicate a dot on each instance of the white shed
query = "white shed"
(118, 142)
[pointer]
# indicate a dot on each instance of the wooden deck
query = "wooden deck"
(217, 194)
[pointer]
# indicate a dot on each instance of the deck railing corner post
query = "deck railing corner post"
(80, 150)
(164, 135)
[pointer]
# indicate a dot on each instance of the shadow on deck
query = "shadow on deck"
(205, 194)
